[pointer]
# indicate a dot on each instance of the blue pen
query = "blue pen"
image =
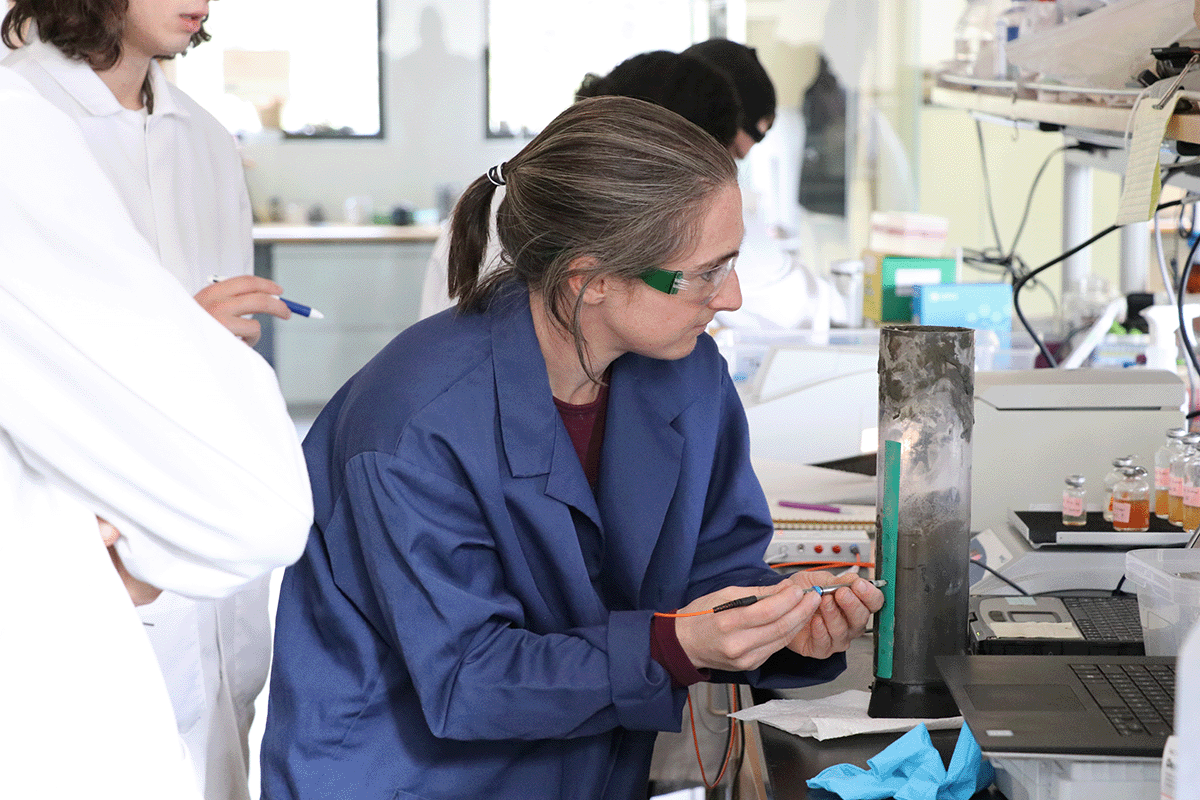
(302, 310)
(293, 306)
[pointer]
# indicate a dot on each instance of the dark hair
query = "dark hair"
(753, 84)
(694, 89)
(618, 180)
(84, 30)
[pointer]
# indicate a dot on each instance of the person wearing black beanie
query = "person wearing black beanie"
(755, 90)
(691, 87)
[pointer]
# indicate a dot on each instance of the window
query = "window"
(305, 67)
(539, 50)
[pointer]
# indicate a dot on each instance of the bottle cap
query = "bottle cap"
(1076, 480)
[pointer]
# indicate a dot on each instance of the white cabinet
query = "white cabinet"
(368, 293)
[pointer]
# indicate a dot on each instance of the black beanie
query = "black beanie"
(753, 85)
(689, 86)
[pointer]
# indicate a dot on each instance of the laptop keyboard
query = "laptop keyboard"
(1138, 699)
(1106, 619)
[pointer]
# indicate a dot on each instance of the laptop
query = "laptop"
(1086, 707)
(1046, 625)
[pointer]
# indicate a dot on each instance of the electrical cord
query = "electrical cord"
(1008, 261)
(1020, 284)
(811, 566)
(1185, 272)
(728, 745)
(987, 186)
(1003, 578)
(1029, 200)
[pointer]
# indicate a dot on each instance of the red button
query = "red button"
(818, 548)
(837, 548)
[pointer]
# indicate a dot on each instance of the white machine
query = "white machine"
(1035, 427)
(810, 396)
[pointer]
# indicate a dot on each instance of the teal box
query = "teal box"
(982, 306)
(889, 282)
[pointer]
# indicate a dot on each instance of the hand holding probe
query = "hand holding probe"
(750, 600)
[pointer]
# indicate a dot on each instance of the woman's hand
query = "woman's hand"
(842, 615)
(231, 299)
(743, 638)
(140, 592)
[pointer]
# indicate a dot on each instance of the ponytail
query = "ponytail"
(469, 231)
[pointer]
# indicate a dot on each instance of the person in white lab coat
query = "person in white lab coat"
(122, 400)
(178, 174)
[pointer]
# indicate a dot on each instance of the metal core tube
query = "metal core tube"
(923, 529)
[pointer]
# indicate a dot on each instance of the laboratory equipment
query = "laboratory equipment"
(810, 397)
(926, 379)
(1032, 427)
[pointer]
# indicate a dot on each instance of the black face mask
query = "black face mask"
(754, 133)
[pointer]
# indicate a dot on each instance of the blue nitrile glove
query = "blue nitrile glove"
(910, 768)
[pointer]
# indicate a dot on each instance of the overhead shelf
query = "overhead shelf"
(990, 98)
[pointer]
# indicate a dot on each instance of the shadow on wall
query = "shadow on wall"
(434, 105)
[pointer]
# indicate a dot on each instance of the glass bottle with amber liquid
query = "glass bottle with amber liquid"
(1074, 510)
(1162, 471)
(1112, 479)
(1191, 494)
(1131, 501)
(1178, 470)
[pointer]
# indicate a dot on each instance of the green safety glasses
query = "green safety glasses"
(700, 289)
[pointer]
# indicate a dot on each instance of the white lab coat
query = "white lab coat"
(435, 292)
(179, 175)
(121, 398)
(177, 170)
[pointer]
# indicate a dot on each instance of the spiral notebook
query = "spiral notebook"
(822, 516)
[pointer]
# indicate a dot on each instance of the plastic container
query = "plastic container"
(1064, 779)
(1168, 590)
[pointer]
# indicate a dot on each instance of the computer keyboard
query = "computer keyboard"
(1137, 699)
(1106, 619)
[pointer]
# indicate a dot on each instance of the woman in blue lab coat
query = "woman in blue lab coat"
(509, 491)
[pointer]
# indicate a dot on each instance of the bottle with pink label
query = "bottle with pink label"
(1191, 494)
(1162, 471)
(1074, 510)
(1131, 501)
(1112, 479)
(1178, 469)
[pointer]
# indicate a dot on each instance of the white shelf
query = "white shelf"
(1086, 116)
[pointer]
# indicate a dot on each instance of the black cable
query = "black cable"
(1029, 276)
(1001, 577)
(1026, 278)
(1184, 273)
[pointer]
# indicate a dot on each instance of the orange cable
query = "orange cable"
(823, 564)
(696, 743)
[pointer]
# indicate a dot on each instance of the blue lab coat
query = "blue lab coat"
(469, 619)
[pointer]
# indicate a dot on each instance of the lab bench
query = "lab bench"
(790, 760)
(365, 279)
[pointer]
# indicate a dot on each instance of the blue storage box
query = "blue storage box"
(982, 306)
